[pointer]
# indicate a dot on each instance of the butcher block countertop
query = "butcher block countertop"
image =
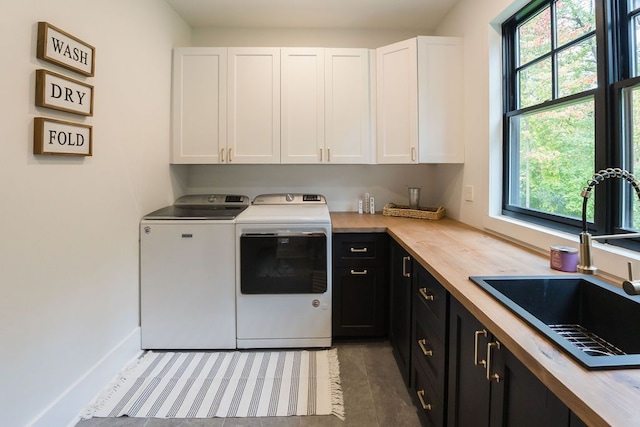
(451, 252)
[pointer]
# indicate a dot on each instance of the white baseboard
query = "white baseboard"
(69, 406)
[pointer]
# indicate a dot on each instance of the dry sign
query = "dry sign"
(60, 137)
(65, 50)
(62, 93)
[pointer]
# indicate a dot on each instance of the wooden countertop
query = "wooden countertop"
(452, 252)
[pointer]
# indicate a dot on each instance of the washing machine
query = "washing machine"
(187, 273)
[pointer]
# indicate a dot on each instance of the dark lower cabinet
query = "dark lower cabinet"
(469, 390)
(429, 347)
(431, 408)
(360, 285)
(457, 372)
(489, 386)
(400, 298)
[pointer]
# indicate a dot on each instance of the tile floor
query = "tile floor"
(374, 395)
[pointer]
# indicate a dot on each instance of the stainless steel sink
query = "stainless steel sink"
(594, 322)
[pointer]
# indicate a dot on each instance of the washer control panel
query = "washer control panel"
(290, 198)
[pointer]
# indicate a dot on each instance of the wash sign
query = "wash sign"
(65, 50)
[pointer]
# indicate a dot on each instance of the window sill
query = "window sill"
(611, 260)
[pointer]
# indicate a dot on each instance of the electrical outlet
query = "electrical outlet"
(468, 193)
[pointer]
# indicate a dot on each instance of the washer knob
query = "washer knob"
(289, 197)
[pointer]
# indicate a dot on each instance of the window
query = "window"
(572, 107)
(629, 107)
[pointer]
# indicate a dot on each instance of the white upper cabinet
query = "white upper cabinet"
(302, 120)
(326, 108)
(397, 102)
(419, 99)
(440, 100)
(253, 131)
(348, 112)
(199, 111)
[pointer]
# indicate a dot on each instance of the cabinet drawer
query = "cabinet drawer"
(426, 399)
(429, 352)
(354, 249)
(432, 298)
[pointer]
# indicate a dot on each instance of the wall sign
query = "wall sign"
(62, 93)
(61, 48)
(58, 137)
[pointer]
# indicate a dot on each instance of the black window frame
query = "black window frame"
(613, 35)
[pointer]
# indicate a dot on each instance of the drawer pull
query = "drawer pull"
(425, 406)
(359, 250)
(426, 352)
(358, 273)
(222, 155)
(492, 377)
(423, 292)
(405, 273)
(476, 359)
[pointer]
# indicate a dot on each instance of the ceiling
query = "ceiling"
(421, 15)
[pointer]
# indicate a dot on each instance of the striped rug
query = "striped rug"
(225, 384)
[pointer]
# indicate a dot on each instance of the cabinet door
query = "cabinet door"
(302, 121)
(400, 298)
(440, 100)
(521, 399)
(469, 390)
(489, 386)
(359, 297)
(199, 105)
(254, 105)
(348, 120)
(397, 102)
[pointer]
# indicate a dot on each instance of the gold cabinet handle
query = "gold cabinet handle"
(358, 250)
(405, 273)
(328, 154)
(425, 406)
(476, 358)
(359, 273)
(413, 154)
(321, 154)
(222, 155)
(492, 377)
(422, 344)
(425, 295)
(229, 156)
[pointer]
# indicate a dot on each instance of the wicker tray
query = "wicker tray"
(391, 209)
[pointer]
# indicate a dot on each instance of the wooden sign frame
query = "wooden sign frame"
(62, 93)
(59, 137)
(63, 49)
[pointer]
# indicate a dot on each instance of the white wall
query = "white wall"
(342, 185)
(266, 37)
(478, 22)
(69, 226)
